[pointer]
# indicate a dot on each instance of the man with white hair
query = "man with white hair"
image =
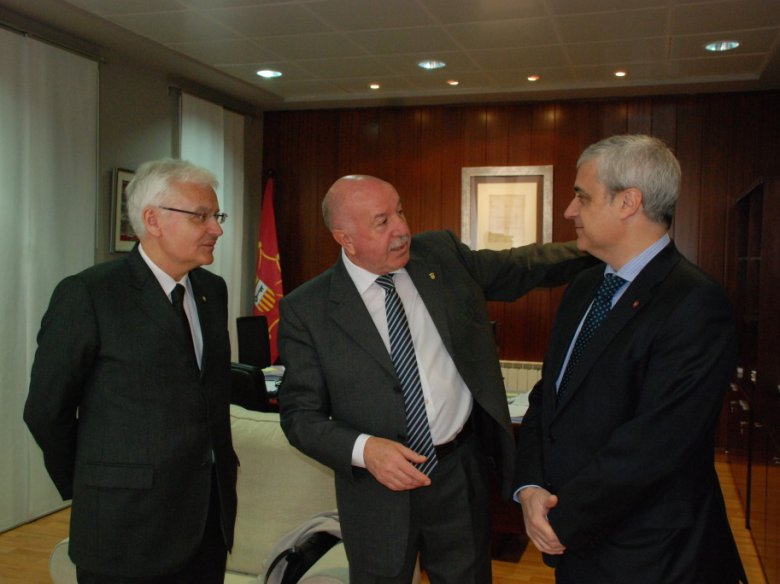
(129, 394)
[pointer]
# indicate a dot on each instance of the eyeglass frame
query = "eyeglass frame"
(219, 217)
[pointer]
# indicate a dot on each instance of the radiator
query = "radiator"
(520, 376)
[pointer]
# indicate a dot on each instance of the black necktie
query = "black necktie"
(177, 299)
(602, 304)
(405, 363)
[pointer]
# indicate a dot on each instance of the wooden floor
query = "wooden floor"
(24, 552)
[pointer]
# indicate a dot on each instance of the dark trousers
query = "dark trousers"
(207, 566)
(449, 524)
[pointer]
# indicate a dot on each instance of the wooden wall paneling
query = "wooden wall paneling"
(720, 141)
(717, 159)
(639, 116)
(450, 158)
(614, 118)
(688, 149)
(518, 121)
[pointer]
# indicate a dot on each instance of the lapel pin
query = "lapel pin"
(203, 298)
(635, 304)
(432, 275)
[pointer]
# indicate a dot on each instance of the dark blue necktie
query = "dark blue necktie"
(405, 363)
(602, 304)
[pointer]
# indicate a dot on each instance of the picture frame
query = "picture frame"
(506, 206)
(123, 238)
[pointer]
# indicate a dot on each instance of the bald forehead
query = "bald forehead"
(347, 192)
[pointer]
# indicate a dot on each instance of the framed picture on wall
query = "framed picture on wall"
(506, 206)
(123, 237)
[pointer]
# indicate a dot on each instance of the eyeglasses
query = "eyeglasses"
(201, 217)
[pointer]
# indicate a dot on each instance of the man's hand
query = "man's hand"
(391, 463)
(536, 503)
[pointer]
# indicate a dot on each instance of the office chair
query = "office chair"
(248, 389)
(254, 347)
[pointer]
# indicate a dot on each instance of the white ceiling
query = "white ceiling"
(331, 50)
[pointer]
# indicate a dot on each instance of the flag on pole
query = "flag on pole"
(268, 275)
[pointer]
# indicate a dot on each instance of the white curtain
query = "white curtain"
(213, 137)
(48, 189)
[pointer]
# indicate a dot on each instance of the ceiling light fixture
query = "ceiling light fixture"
(431, 64)
(374, 86)
(453, 82)
(620, 73)
(721, 46)
(533, 78)
(269, 73)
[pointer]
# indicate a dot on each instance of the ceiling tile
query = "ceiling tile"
(370, 14)
(114, 7)
(743, 67)
(561, 7)
(551, 56)
(628, 24)
(731, 15)
(270, 20)
(618, 52)
(754, 41)
(173, 27)
(404, 40)
(310, 46)
(510, 33)
(457, 11)
(230, 52)
(344, 68)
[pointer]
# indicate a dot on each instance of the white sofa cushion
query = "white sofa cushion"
(278, 488)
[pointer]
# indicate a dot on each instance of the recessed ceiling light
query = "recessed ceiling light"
(453, 82)
(533, 78)
(721, 46)
(620, 73)
(269, 73)
(431, 64)
(374, 86)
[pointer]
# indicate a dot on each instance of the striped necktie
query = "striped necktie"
(405, 363)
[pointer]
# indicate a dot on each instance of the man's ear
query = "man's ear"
(631, 201)
(344, 240)
(151, 220)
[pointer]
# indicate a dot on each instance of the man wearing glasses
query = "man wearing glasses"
(129, 393)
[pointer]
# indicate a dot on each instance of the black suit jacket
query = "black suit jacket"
(629, 448)
(340, 381)
(126, 423)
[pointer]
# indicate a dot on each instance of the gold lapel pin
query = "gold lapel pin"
(635, 304)
(432, 276)
(203, 298)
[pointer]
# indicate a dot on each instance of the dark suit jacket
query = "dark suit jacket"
(629, 449)
(340, 380)
(126, 423)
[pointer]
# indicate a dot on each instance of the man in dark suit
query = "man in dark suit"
(615, 454)
(129, 394)
(344, 394)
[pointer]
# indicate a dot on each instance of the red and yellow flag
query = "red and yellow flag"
(268, 275)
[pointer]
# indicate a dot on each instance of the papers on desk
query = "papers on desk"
(273, 378)
(518, 404)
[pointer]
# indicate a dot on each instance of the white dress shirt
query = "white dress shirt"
(168, 284)
(448, 401)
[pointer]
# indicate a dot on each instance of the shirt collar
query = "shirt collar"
(632, 268)
(360, 276)
(167, 283)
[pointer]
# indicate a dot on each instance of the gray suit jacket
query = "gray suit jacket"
(126, 423)
(629, 448)
(340, 380)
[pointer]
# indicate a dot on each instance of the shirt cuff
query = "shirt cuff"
(357, 450)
